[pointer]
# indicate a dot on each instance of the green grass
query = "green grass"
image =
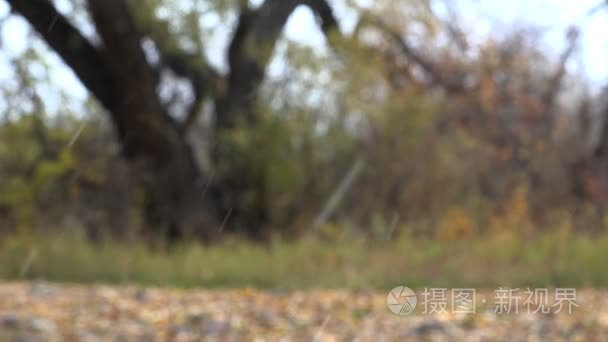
(553, 259)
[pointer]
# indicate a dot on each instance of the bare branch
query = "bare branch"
(555, 83)
(437, 77)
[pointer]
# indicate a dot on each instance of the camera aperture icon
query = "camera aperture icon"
(401, 300)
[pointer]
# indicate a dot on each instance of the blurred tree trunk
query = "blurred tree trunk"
(121, 79)
(179, 199)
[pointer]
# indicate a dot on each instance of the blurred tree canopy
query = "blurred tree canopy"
(453, 133)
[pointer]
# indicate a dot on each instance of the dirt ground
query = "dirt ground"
(51, 312)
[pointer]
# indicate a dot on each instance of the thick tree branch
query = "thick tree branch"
(76, 51)
(324, 14)
(134, 78)
(251, 49)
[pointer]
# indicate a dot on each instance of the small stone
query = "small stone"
(9, 321)
(141, 295)
(42, 325)
(429, 328)
(41, 289)
(85, 336)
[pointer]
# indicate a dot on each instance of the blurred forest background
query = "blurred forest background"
(408, 123)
